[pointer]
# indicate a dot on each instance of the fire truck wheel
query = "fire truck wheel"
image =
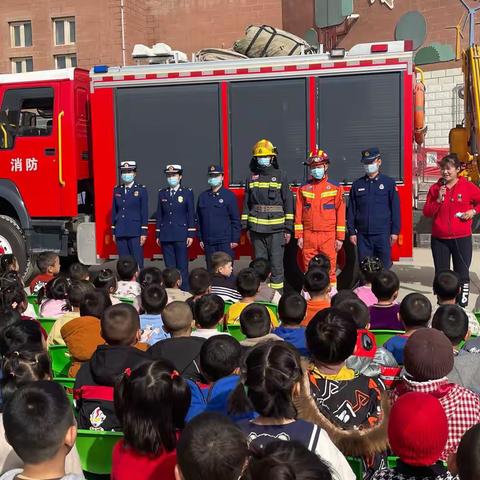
(348, 271)
(13, 241)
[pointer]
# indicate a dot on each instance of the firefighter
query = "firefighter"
(218, 217)
(176, 222)
(320, 214)
(373, 214)
(130, 213)
(268, 209)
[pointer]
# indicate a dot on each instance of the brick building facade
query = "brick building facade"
(186, 25)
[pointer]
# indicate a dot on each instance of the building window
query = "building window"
(21, 34)
(64, 30)
(21, 65)
(65, 61)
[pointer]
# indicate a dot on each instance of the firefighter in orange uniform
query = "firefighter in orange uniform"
(320, 214)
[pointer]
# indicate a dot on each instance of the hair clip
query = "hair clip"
(174, 375)
(127, 371)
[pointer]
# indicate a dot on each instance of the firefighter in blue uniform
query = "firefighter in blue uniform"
(176, 222)
(130, 214)
(218, 217)
(373, 214)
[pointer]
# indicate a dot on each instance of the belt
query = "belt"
(268, 208)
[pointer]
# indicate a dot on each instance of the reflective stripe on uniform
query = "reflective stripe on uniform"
(308, 194)
(265, 185)
(276, 286)
(261, 221)
(298, 227)
(245, 216)
(289, 216)
(341, 229)
(331, 193)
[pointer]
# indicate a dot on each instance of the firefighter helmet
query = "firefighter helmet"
(317, 157)
(264, 148)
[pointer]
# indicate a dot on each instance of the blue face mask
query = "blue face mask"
(172, 181)
(214, 181)
(128, 177)
(371, 168)
(263, 161)
(318, 173)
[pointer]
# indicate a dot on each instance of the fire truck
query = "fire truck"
(64, 132)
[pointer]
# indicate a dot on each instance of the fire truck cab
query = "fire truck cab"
(63, 134)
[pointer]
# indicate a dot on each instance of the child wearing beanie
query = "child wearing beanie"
(466, 462)
(417, 432)
(428, 358)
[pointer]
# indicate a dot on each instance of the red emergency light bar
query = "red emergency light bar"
(379, 48)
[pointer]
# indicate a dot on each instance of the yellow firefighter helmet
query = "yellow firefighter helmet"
(264, 148)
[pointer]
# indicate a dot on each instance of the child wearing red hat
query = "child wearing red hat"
(417, 432)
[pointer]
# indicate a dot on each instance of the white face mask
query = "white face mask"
(371, 168)
(263, 161)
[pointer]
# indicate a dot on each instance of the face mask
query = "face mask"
(128, 177)
(371, 168)
(172, 181)
(318, 173)
(263, 161)
(214, 181)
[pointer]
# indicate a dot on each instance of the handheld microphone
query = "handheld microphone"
(443, 181)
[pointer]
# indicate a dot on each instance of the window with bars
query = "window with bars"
(64, 31)
(21, 34)
(22, 64)
(65, 61)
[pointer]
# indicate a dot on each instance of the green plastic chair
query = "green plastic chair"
(477, 315)
(356, 464)
(95, 450)
(392, 461)
(126, 300)
(381, 336)
(61, 360)
(236, 332)
(32, 300)
(67, 383)
(47, 323)
(228, 304)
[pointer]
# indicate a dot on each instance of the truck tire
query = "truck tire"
(347, 278)
(13, 241)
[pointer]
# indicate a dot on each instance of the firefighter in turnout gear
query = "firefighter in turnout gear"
(268, 209)
(320, 214)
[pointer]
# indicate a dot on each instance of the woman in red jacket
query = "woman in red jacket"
(451, 203)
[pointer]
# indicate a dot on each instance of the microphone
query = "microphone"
(443, 181)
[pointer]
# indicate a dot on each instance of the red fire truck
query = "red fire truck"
(64, 132)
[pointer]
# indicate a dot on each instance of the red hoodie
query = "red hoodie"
(463, 196)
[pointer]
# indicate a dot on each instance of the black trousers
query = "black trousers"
(459, 250)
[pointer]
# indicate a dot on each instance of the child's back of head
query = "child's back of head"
(199, 280)
(320, 260)
(21, 335)
(211, 447)
(331, 336)
(415, 310)
(77, 291)
(172, 278)
(149, 276)
(219, 357)
(317, 282)
(262, 268)
(55, 289)
(151, 403)
(127, 268)
(120, 325)
(94, 304)
(255, 321)
(8, 263)
(446, 285)
(177, 318)
(467, 459)
(452, 321)
(39, 423)
(248, 282)
(358, 311)
(221, 262)
(385, 285)
(291, 309)
(154, 299)
(78, 271)
(106, 280)
(209, 311)
(342, 295)
(370, 267)
(48, 262)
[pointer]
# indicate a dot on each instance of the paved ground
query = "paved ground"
(415, 276)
